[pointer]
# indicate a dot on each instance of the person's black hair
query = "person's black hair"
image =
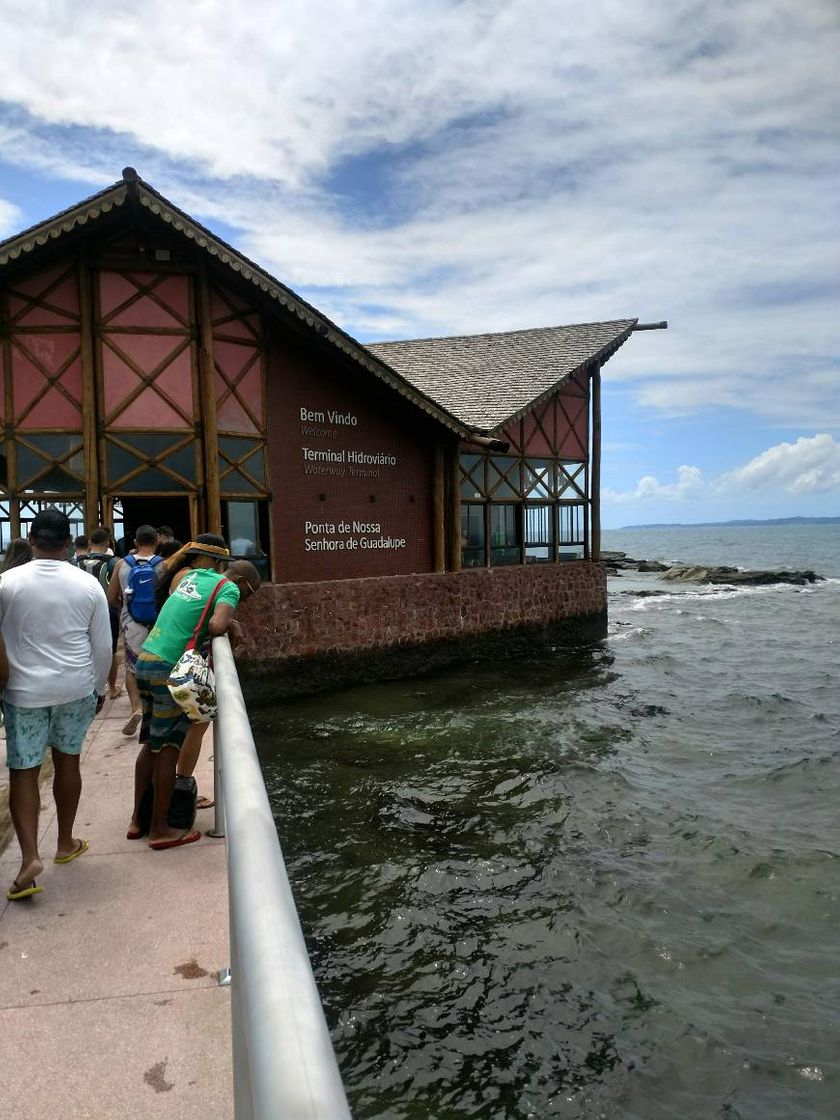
(101, 535)
(165, 531)
(50, 529)
(80, 542)
(145, 535)
(168, 548)
(19, 552)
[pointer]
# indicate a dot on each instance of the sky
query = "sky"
(418, 167)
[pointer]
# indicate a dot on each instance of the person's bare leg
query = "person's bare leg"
(188, 758)
(67, 789)
(143, 770)
(133, 691)
(25, 807)
(163, 777)
(113, 690)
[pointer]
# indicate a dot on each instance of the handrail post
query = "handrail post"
(218, 829)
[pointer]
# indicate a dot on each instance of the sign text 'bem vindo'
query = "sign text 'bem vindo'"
(319, 425)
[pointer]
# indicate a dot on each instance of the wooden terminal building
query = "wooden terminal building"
(410, 502)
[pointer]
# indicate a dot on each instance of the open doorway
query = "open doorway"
(138, 510)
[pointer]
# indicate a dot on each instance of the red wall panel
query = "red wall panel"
(337, 516)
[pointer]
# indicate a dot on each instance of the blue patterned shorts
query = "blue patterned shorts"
(29, 731)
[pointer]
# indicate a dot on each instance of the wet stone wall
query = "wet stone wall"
(303, 637)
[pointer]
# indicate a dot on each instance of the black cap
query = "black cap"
(51, 524)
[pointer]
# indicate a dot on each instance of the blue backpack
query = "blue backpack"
(140, 590)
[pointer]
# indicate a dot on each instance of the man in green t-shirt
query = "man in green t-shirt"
(165, 724)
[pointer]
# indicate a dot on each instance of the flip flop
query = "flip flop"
(133, 723)
(187, 838)
(204, 803)
(79, 851)
(118, 691)
(22, 892)
(135, 834)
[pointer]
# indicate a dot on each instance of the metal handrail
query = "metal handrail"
(284, 1067)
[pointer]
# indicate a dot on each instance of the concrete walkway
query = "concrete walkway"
(110, 1007)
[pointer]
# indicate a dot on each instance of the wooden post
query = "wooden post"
(595, 495)
(90, 433)
(9, 414)
(439, 511)
(207, 404)
(454, 526)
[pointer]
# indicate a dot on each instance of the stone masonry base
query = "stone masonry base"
(307, 637)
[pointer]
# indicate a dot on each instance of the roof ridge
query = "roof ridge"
(501, 334)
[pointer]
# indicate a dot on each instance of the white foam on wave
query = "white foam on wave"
(717, 593)
(626, 632)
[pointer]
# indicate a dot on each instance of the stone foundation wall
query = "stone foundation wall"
(302, 637)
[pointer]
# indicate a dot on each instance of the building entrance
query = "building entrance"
(130, 513)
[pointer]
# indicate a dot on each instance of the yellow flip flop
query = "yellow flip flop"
(82, 848)
(24, 892)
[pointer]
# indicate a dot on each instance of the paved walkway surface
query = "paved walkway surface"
(110, 1007)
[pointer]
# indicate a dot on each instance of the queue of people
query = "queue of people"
(60, 624)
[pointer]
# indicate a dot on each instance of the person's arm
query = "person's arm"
(115, 594)
(99, 632)
(4, 667)
(220, 620)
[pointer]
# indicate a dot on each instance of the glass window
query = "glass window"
(244, 523)
(503, 476)
(233, 483)
(55, 445)
(236, 448)
(571, 480)
(472, 476)
(182, 462)
(153, 480)
(472, 536)
(242, 527)
(539, 534)
(57, 480)
(504, 534)
(255, 465)
(538, 478)
(121, 462)
(150, 445)
(572, 520)
(75, 512)
(5, 526)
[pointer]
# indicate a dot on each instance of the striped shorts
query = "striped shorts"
(165, 723)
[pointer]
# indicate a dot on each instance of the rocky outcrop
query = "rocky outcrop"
(733, 576)
(616, 562)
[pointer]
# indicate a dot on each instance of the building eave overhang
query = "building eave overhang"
(145, 196)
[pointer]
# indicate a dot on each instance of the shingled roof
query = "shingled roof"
(487, 380)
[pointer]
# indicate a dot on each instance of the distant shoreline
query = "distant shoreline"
(740, 523)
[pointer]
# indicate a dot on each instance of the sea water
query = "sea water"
(597, 883)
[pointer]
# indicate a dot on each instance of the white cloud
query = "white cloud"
(689, 485)
(807, 467)
(10, 218)
(811, 465)
(515, 164)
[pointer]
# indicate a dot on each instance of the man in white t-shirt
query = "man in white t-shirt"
(54, 622)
